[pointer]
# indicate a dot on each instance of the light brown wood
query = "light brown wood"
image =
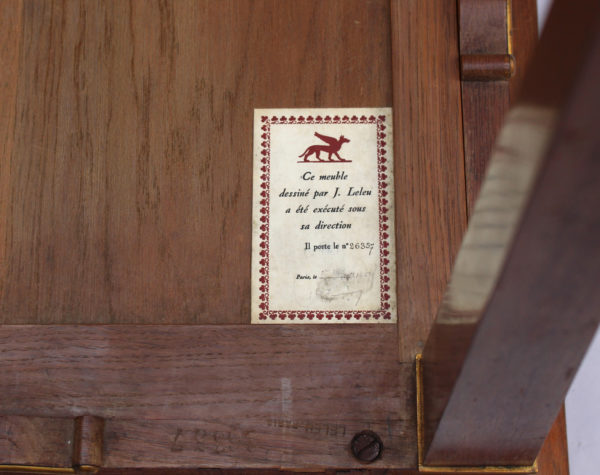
(10, 32)
(429, 166)
(127, 193)
(127, 199)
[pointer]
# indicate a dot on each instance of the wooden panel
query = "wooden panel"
(429, 167)
(10, 35)
(501, 356)
(483, 30)
(484, 107)
(127, 199)
(477, 18)
(36, 441)
(218, 396)
(127, 194)
(46, 441)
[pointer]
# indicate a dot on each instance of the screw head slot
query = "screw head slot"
(366, 446)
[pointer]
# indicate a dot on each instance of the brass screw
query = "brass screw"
(366, 446)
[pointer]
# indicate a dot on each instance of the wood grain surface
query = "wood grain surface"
(484, 107)
(429, 166)
(88, 442)
(483, 30)
(553, 458)
(10, 29)
(127, 192)
(486, 67)
(218, 396)
(36, 440)
(503, 351)
(125, 178)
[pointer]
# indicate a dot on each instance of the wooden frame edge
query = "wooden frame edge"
(419, 390)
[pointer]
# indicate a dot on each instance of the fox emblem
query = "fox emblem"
(332, 148)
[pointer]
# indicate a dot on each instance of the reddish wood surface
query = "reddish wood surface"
(480, 103)
(218, 396)
(484, 107)
(483, 31)
(36, 440)
(88, 442)
(123, 199)
(553, 458)
(127, 192)
(482, 122)
(486, 67)
(429, 167)
(524, 40)
(482, 27)
(524, 346)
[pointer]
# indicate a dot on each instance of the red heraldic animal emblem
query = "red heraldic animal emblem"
(332, 148)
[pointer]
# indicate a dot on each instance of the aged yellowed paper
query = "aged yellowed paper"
(323, 223)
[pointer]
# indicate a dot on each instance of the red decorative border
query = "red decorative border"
(384, 235)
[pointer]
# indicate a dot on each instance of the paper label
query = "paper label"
(323, 224)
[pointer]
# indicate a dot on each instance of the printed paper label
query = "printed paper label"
(323, 223)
